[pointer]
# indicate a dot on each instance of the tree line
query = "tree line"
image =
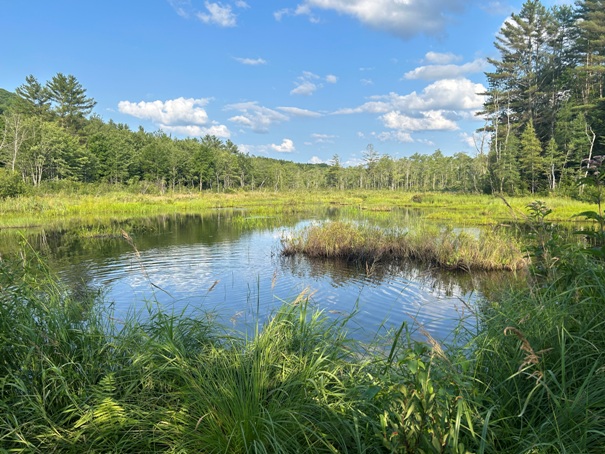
(544, 116)
(47, 135)
(545, 108)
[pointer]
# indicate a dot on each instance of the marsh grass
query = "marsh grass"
(444, 248)
(529, 378)
(102, 203)
(74, 379)
(541, 364)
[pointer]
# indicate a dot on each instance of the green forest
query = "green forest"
(544, 121)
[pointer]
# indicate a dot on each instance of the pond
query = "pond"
(229, 263)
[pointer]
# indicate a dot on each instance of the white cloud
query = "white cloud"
(180, 111)
(323, 138)
(305, 88)
(242, 120)
(438, 58)
(398, 136)
(215, 13)
(300, 10)
(306, 84)
(255, 117)
(251, 61)
(478, 141)
(467, 138)
(453, 94)
(404, 18)
(182, 116)
(287, 146)
(298, 112)
(310, 75)
(432, 120)
(447, 94)
(448, 71)
(218, 14)
(278, 15)
(198, 131)
(316, 160)
(181, 7)
(366, 82)
(439, 107)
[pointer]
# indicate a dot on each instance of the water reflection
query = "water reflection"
(229, 262)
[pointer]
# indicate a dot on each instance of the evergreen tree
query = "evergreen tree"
(70, 102)
(523, 43)
(531, 159)
(591, 48)
(334, 176)
(34, 98)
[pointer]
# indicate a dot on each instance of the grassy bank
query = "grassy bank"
(530, 379)
(58, 207)
(539, 364)
(428, 244)
(73, 379)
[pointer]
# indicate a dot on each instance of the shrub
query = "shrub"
(11, 184)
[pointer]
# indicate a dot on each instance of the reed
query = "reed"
(539, 363)
(444, 248)
(46, 208)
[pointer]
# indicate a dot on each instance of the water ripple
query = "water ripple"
(246, 278)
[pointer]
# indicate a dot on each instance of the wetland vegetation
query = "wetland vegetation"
(528, 377)
(523, 373)
(443, 248)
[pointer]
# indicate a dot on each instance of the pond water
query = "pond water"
(229, 263)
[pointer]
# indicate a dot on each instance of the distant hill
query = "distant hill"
(7, 98)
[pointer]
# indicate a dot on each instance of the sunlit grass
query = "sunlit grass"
(58, 207)
(528, 378)
(445, 248)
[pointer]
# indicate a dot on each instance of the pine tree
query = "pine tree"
(531, 159)
(70, 101)
(524, 42)
(591, 48)
(34, 98)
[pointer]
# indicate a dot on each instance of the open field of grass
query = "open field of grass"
(61, 207)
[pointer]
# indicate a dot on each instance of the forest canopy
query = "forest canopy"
(544, 117)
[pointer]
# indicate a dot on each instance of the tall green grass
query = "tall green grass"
(101, 203)
(540, 363)
(75, 379)
(425, 243)
(529, 378)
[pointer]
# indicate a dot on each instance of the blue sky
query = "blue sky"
(300, 80)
